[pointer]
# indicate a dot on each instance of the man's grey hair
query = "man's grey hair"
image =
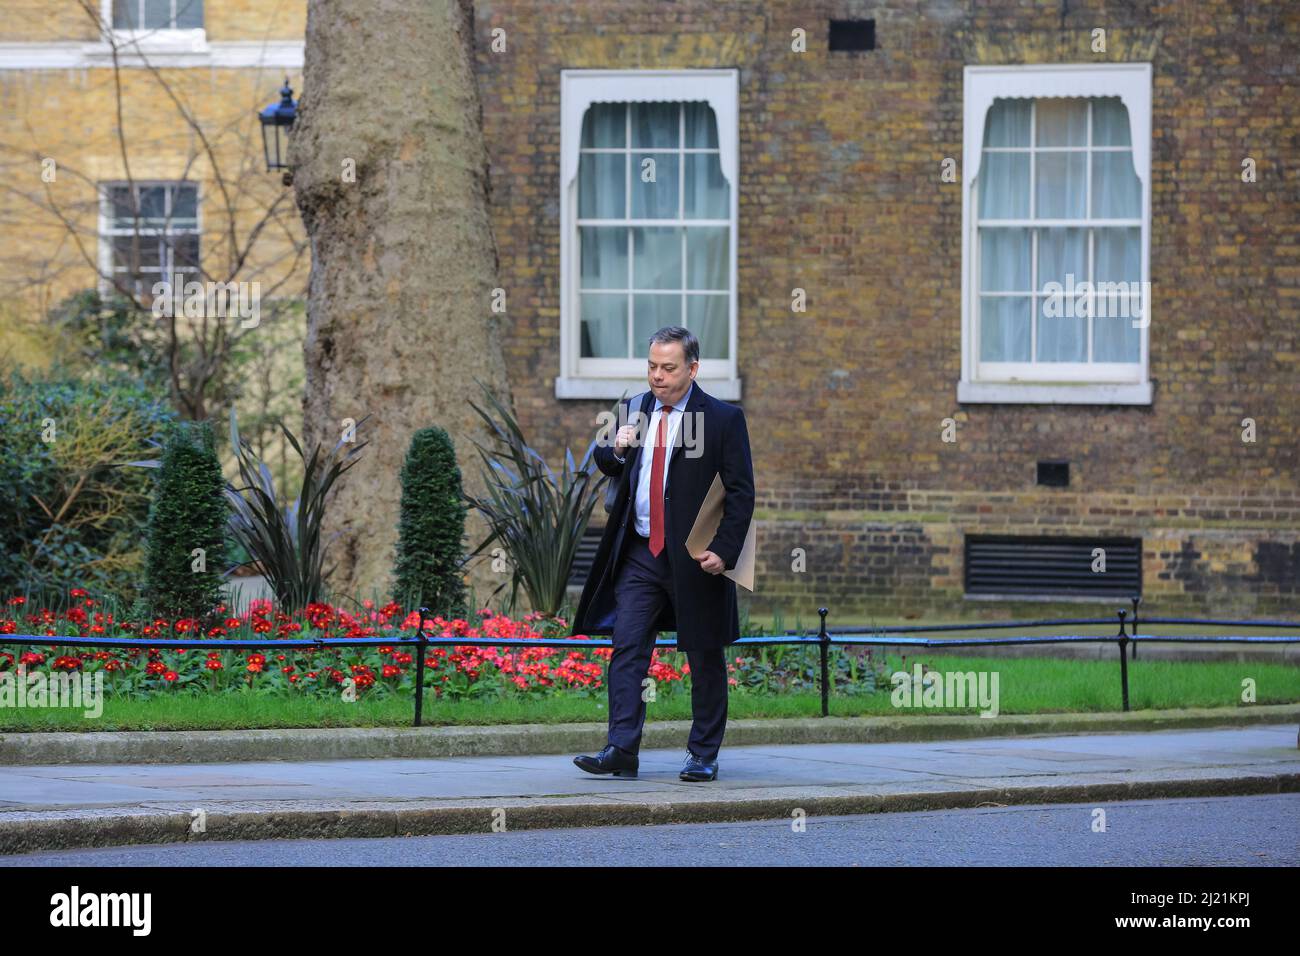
(677, 333)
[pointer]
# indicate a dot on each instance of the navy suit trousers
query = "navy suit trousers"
(643, 584)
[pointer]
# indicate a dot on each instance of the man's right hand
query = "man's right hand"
(623, 441)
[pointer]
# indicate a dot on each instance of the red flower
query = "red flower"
(213, 664)
(169, 676)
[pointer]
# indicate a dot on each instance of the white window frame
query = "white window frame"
(1072, 383)
(107, 231)
(579, 89)
(156, 41)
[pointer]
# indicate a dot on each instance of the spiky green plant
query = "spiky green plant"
(538, 519)
(283, 541)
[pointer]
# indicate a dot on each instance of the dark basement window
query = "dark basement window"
(850, 35)
(1054, 474)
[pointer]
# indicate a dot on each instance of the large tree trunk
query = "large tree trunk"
(403, 258)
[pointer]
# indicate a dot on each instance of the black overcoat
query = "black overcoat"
(703, 611)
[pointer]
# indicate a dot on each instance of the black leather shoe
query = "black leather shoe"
(610, 760)
(697, 768)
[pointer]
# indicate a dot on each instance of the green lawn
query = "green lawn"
(1025, 686)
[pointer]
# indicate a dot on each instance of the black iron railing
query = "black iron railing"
(823, 640)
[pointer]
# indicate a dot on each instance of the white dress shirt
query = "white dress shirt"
(646, 463)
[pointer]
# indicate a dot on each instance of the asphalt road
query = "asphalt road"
(1205, 831)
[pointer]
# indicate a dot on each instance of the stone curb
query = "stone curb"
(356, 743)
(27, 832)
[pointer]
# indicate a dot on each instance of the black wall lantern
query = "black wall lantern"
(277, 121)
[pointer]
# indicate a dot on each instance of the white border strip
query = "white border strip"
(220, 54)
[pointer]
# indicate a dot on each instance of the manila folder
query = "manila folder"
(706, 526)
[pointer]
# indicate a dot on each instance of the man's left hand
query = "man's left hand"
(711, 563)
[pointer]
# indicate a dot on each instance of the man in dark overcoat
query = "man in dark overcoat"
(643, 580)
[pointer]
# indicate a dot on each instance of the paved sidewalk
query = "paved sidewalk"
(120, 747)
(50, 807)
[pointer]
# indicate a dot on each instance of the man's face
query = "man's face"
(668, 374)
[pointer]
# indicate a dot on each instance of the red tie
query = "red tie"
(657, 485)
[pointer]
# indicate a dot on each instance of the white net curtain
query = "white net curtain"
(654, 228)
(1057, 196)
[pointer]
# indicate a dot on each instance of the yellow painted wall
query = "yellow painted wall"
(68, 120)
(49, 20)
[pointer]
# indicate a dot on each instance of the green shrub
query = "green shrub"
(189, 511)
(431, 528)
(108, 337)
(70, 511)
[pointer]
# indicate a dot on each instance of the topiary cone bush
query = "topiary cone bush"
(431, 528)
(189, 511)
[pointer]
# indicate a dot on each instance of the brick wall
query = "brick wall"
(63, 20)
(840, 194)
(71, 117)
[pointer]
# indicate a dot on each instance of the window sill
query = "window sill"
(159, 41)
(726, 389)
(192, 51)
(1011, 393)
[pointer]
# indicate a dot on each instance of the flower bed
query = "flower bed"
(461, 671)
(458, 671)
